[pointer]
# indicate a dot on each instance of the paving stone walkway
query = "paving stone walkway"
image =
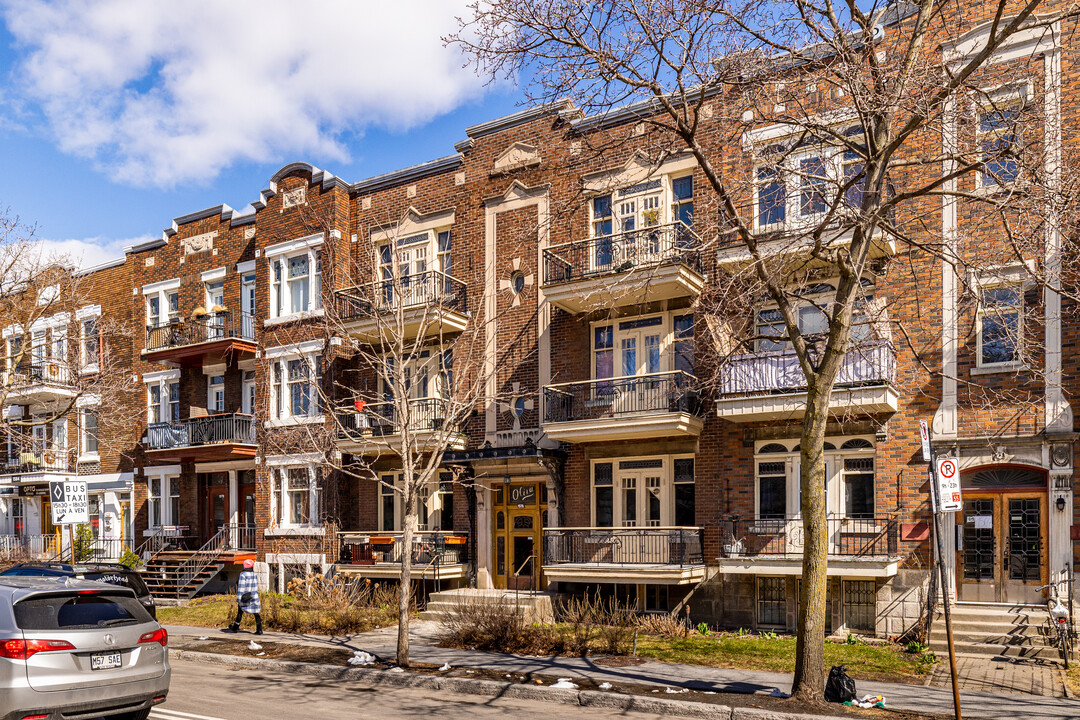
(1001, 674)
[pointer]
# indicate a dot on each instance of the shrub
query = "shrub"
(494, 625)
(703, 629)
(131, 560)
(330, 605)
(663, 625)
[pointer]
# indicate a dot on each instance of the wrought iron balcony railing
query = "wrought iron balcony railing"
(372, 548)
(382, 419)
(180, 332)
(34, 460)
(779, 372)
(866, 536)
(230, 428)
(622, 252)
(409, 291)
(676, 546)
(41, 372)
(668, 392)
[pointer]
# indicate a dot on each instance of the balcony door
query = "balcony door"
(214, 504)
(245, 513)
(640, 343)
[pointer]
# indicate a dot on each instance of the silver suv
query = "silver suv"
(78, 649)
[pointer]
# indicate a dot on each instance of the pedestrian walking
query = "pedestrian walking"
(247, 598)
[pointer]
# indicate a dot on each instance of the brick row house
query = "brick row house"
(608, 449)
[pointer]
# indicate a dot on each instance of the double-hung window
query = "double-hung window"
(653, 491)
(999, 141)
(1000, 324)
(163, 396)
(248, 393)
(162, 302)
(88, 436)
(295, 277)
(215, 393)
(295, 382)
(163, 500)
(295, 496)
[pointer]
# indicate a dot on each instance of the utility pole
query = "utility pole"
(944, 470)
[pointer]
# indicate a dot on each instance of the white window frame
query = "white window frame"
(163, 381)
(85, 453)
(280, 411)
(89, 362)
(666, 472)
(169, 488)
(1003, 98)
(162, 291)
(666, 330)
(214, 392)
(836, 490)
(429, 501)
(980, 314)
(281, 309)
(279, 472)
(249, 388)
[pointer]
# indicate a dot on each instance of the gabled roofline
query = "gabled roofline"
(559, 107)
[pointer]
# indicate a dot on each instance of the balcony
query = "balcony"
(629, 268)
(858, 547)
(42, 382)
(376, 429)
(732, 253)
(437, 555)
(425, 304)
(771, 386)
(37, 465)
(229, 436)
(623, 555)
(205, 340)
(636, 407)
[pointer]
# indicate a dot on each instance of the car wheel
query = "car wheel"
(136, 715)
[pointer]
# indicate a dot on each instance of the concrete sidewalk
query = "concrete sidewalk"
(423, 635)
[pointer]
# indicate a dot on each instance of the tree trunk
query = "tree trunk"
(809, 682)
(405, 584)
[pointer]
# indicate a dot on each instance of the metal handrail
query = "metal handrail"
(99, 547)
(180, 332)
(624, 251)
(224, 428)
(424, 542)
(431, 287)
(870, 536)
(202, 558)
(50, 371)
(381, 418)
(672, 391)
(778, 371)
(674, 546)
(154, 544)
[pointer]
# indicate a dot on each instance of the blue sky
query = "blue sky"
(118, 115)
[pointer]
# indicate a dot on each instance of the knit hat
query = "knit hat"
(248, 564)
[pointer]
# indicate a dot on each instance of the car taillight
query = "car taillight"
(23, 649)
(158, 636)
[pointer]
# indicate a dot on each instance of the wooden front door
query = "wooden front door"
(245, 513)
(1002, 546)
(214, 504)
(517, 535)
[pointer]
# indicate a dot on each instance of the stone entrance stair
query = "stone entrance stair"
(535, 605)
(989, 630)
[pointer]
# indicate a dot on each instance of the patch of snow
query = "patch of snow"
(396, 669)
(203, 637)
(258, 654)
(445, 667)
(669, 691)
(605, 686)
(254, 646)
(776, 692)
(563, 684)
(362, 658)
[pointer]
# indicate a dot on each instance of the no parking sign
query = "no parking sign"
(947, 477)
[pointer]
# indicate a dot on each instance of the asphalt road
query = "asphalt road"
(214, 692)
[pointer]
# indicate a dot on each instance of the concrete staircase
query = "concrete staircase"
(995, 630)
(535, 605)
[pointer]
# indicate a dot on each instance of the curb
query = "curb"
(496, 689)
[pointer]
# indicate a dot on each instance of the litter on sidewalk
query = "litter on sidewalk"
(867, 702)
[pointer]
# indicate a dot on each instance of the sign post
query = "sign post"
(945, 497)
(70, 506)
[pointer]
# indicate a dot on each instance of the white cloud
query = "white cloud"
(87, 252)
(165, 92)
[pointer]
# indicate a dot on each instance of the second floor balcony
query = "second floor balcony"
(635, 407)
(202, 340)
(36, 462)
(628, 268)
(624, 554)
(43, 381)
(429, 303)
(377, 428)
(229, 436)
(771, 386)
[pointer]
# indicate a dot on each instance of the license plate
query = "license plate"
(105, 660)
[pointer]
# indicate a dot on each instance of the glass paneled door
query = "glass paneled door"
(517, 529)
(639, 357)
(1001, 548)
(214, 503)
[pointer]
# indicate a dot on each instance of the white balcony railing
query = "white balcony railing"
(778, 372)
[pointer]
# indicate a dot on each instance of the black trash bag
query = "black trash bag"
(839, 687)
(246, 598)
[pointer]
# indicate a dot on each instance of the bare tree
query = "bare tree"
(747, 88)
(405, 372)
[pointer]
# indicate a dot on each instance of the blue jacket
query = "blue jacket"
(248, 583)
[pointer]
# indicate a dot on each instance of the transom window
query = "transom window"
(628, 213)
(849, 472)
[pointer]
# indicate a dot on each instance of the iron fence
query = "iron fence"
(673, 392)
(39, 461)
(679, 546)
(408, 291)
(360, 548)
(179, 332)
(235, 428)
(382, 419)
(876, 536)
(622, 252)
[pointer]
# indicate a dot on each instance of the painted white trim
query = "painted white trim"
(771, 133)
(638, 168)
(90, 400)
(162, 286)
(299, 459)
(87, 312)
(293, 317)
(291, 246)
(54, 321)
(413, 223)
(248, 266)
(224, 465)
(12, 330)
(215, 274)
(158, 376)
(162, 470)
(219, 369)
(302, 348)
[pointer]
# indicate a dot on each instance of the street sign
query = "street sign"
(70, 504)
(925, 434)
(947, 477)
